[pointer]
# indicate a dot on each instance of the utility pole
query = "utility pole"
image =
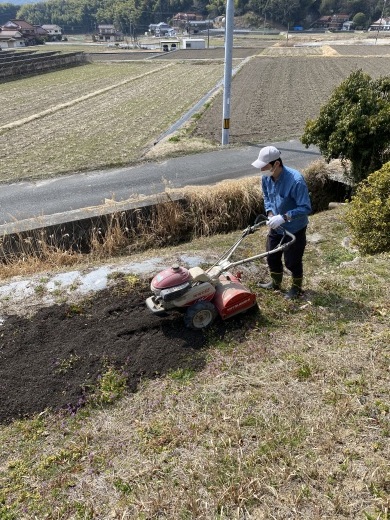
(383, 12)
(229, 26)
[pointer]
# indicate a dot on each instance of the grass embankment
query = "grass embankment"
(199, 212)
(289, 419)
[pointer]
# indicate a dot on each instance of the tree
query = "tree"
(7, 12)
(354, 125)
(359, 20)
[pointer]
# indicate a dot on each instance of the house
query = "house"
(332, 23)
(40, 32)
(322, 23)
(180, 20)
(383, 24)
(336, 22)
(108, 33)
(160, 29)
(11, 39)
(29, 32)
(54, 32)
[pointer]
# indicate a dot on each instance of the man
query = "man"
(287, 205)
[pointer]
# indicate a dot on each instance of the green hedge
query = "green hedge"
(368, 214)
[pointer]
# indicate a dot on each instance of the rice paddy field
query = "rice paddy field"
(112, 112)
(94, 116)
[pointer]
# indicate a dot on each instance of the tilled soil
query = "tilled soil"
(273, 97)
(53, 359)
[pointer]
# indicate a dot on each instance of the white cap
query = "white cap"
(266, 155)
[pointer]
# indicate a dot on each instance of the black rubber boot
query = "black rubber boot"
(296, 289)
(274, 284)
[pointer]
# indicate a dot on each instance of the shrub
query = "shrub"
(368, 214)
(354, 125)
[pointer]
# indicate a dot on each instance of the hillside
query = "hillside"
(282, 412)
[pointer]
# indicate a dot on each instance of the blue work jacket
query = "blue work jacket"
(288, 195)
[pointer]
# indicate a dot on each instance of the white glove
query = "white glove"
(275, 221)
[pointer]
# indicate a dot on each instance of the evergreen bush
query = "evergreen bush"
(368, 214)
(354, 125)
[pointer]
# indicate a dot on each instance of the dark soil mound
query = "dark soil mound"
(50, 361)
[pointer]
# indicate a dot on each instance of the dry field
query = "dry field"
(274, 94)
(111, 113)
(94, 116)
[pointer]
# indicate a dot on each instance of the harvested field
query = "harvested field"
(363, 51)
(111, 128)
(123, 56)
(210, 54)
(279, 52)
(181, 54)
(273, 98)
(111, 114)
(32, 95)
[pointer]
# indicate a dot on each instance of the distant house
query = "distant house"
(322, 23)
(180, 20)
(108, 33)
(40, 32)
(383, 24)
(160, 29)
(30, 33)
(11, 39)
(337, 20)
(54, 32)
(332, 23)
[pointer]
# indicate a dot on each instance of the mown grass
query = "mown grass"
(289, 418)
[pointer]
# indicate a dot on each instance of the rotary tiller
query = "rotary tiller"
(205, 294)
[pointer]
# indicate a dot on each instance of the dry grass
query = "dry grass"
(201, 212)
(289, 419)
(178, 216)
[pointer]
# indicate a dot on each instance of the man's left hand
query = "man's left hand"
(275, 222)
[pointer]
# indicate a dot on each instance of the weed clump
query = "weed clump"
(368, 214)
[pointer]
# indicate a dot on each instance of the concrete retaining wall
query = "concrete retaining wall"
(74, 230)
(40, 63)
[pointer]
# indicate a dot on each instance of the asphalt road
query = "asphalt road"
(25, 200)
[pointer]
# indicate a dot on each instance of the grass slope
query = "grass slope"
(289, 418)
